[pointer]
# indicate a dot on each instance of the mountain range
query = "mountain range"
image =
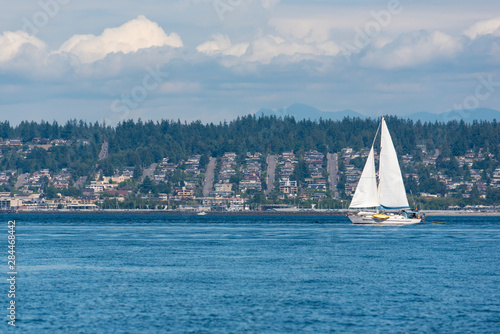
(302, 111)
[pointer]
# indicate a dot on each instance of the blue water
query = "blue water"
(253, 274)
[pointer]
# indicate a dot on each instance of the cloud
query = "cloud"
(307, 29)
(400, 87)
(132, 36)
(15, 44)
(180, 87)
(264, 49)
(484, 28)
(269, 3)
(264, 54)
(221, 44)
(235, 3)
(412, 50)
(27, 57)
(116, 52)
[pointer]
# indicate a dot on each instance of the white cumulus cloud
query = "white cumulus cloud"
(413, 50)
(221, 44)
(484, 28)
(13, 44)
(132, 36)
(265, 49)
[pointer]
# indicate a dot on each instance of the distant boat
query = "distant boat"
(202, 213)
(390, 194)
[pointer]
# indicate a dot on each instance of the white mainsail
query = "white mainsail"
(391, 189)
(366, 194)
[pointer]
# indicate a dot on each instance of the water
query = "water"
(253, 274)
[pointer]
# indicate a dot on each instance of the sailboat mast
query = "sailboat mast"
(376, 133)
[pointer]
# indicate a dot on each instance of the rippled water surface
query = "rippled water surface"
(253, 274)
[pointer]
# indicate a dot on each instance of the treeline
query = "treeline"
(71, 130)
(142, 143)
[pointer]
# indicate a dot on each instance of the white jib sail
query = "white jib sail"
(391, 189)
(366, 195)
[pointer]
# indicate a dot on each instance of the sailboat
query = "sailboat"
(389, 195)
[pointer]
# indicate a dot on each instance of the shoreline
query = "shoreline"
(428, 213)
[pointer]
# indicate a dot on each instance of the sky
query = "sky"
(214, 60)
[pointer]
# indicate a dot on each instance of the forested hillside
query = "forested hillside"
(450, 164)
(142, 143)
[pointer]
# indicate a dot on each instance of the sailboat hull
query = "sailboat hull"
(393, 220)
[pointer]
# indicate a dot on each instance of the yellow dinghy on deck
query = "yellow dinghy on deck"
(380, 216)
